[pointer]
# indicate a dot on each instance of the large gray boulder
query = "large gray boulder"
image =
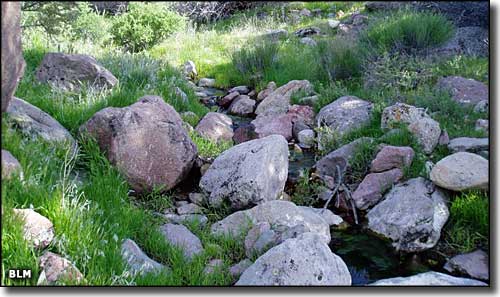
(138, 263)
(216, 126)
(37, 229)
(145, 141)
(461, 171)
(12, 57)
(249, 173)
(474, 264)
(278, 101)
(34, 122)
(70, 71)
(345, 114)
(180, 236)
(301, 261)
(412, 215)
(430, 278)
(463, 90)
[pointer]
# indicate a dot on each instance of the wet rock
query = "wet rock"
(468, 144)
(412, 215)
(242, 106)
(249, 173)
(298, 261)
(304, 32)
(244, 133)
(273, 124)
(430, 278)
(279, 100)
(474, 264)
(373, 186)
(462, 90)
(345, 114)
(189, 208)
(13, 70)
(137, 261)
(146, 142)
(180, 236)
(216, 126)
(37, 229)
(237, 269)
(10, 165)
(308, 41)
(206, 82)
(482, 125)
(482, 106)
(240, 89)
(226, 100)
(392, 157)
(271, 86)
(306, 138)
(461, 171)
(69, 71)
(56, 270)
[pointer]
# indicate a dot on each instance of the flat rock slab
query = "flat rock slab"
(37, 229)
(180, 236)
(137, 261)
(468, 144)
(430, 278)
(463, 90)
(474, 264)
(57, 270)
(461, 171)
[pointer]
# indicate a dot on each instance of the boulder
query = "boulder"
(242, 106)
(181, 237)
(444, 139)
(462, 90)
(302, 261)
(266, 125)
(145, 141)
(467, 41)
(216, 126)
(412, 215)
(427, 131)
(138, 263)
(327, 215)
(301, 113)
(462, 13)
(37, 229)
(13, 70)
(392, 157)
(206, 82)
(482, 106)
(228, 99)
(259, 239)
(70, 71)
(474, 264)
(189, 208)
(345, 114)
(306, 138)
(271, 86)
(298, 126)
(185, 218)
(56, 270)
(482, 125)
(304, 32)
(240, 89)
(244, 133)
(237, 269)
(468, 144)
(461, 171)
(333, 24)
(196, 198)
(249, 173)
(279, 100)
(189, 69)
(430, 278)
(10, 165)
(373, 186)
(33, 122)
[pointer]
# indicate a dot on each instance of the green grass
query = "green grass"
(208, 148)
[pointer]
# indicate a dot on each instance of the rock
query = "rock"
(444, 138)
(37, 229)
(462, 90)
(216, 126)
(308, 41)
(70, 71)
(189, 208)
(242, 106)
(213, 266)
(427, 132)
(305, 12)
(244, 133)
(189, 69)
(34, 122)
(474, 264)
(249, 173)
(279, 100)
(461, 171)
(145, 141)
(297, 127)
(306, 138)
(282, 216)
(462, 14)
(271, 86)
(11, 51)
(309, 100)
(196, 198)
(358, 19)
(200, 94)
(226, 100)
(482, 106)
(428, 167)
(430, 278)
(137, 261)
(302, 261)
(333, 24)
(206, 82)
(373, 186)
(302, 113)
(275, 35)
(383, 5)
(467, 41)
(237, 269)
(345, 114)
(327, 215)
(240, 89)
(182, 219)
(304, 32)
(56, 270)
(482, 125)
(259, 238)
(181, 95)
(10, 165)
(468, 144)
(180, 203)
(273, 124)
(412, 215)
(392, 157)
(341, 156)
(181, 237)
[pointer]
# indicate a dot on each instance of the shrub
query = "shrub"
(145, 25)
(91, 26)
(253, 60)
(406, 30)
(339, 59)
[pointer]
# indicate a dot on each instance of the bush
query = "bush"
(406, 30)
(145, 25)
(91, 26)
(339, 59)
(253, 60)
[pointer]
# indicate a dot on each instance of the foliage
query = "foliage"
(208, 148)
(253, 60)
(55, 17)
(306, 191)
(469, 67)
(339, 59)
(91, 26)
(144, 25)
